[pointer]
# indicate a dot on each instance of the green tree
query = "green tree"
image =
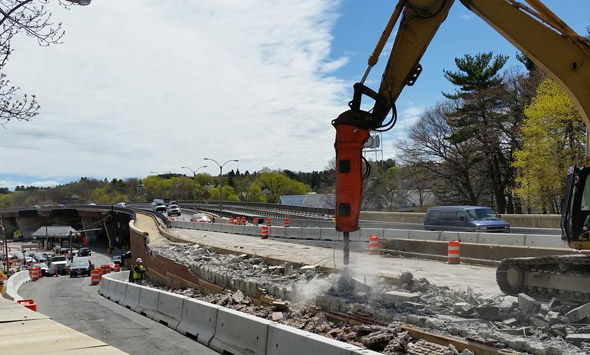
(279, 184)
(483, 114)
(553, 137)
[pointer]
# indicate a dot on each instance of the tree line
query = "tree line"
(504, 138)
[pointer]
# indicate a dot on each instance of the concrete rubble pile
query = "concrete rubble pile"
(521, 324)
(389, 339)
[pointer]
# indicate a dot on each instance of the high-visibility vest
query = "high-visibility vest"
(137, 275)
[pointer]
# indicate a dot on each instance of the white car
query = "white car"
(173, 210)
(121, 204)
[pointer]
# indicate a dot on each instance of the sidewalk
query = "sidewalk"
(479, 278)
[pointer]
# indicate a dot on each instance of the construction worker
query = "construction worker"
(138, 271)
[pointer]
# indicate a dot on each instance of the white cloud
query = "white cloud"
(140, 86)
(466, 16)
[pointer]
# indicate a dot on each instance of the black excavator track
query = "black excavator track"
(566, 277)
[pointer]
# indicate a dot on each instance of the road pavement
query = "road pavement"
(73, 302)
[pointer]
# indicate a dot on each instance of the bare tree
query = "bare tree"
(31, 18)
(456, 167)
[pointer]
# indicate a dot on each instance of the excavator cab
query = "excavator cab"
(575, 214)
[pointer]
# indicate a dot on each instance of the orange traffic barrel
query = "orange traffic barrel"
(116, 268)
(244, 221)
(95, 276)
(105, 269)
(30, 304)
(264, 231)
(268, 221)
(34, 273)
(286, 222)
(454, 255)
(231, 220)
(373, 244)
(255, 221)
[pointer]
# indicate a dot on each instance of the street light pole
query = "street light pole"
(194, 182)
(221, 179)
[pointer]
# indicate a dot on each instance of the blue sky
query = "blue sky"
(150, 85)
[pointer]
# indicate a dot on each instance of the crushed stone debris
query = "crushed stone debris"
(521, 323)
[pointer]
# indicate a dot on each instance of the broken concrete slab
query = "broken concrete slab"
(528, 304)
(539, 321)
(359, 285)
(579, 313)
(463, 309)
(398, 296)
(578, 339)
(488, 312)
(510, 321)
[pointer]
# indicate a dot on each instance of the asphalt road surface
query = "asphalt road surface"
(73, 302)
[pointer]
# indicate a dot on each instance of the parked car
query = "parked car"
(117, 260)
(80, 267)
(84, 252)
(464, 219)
(44, 269)
(200, 218)
(121, 204)
(173, 210)
(58, 263)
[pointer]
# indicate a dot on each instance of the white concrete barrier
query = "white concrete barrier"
(285, 340)
(131, 300)
(14, 282)
(112, 286)
(120, 291)
(103, 287)
(501, 239)
(227, 228)
(425, 235)
(238, 229)
(169, 309)
(396, 233)
(330, 234)
(216, 227)
(544, 241)
(240, 333)
(277, 232)
(207, 226)
(312, 233)
(448, 236)
(252, 230)
(199, 320)
(294, 233)
(148, 302)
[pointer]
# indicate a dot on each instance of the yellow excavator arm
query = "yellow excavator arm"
(552, 46)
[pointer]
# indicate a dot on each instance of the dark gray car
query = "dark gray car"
(464, 219)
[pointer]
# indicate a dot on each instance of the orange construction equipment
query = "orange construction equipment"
(116, 268)
(264, 231)
(286, 222)
(373, 244)
(95, 276)
(268, 221)
(30, 304)
(454, 255)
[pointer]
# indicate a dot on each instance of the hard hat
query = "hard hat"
(138, 260)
